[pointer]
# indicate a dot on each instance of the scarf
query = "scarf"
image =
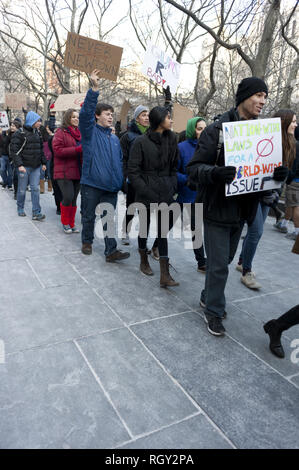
(75, 132)
(142, 129)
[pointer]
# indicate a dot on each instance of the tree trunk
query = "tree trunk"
(290, 85)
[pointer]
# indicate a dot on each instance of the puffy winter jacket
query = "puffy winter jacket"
(31, 143)
(152, 167)
(217, 208)
(102, 162)
(126, 142)
(67, 156)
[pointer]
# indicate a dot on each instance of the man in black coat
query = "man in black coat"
(224, 216)
(28, 156)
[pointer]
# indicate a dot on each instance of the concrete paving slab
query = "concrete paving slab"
(145, 396)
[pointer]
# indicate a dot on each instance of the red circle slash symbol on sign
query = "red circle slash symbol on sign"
(264, 148)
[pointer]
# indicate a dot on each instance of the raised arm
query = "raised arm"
(87, 113)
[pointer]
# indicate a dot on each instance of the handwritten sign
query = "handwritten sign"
(87, 54)
(65, 102)
(15, 101)
(181, 115)
(255, 149)
(4, 122)
(161, 68)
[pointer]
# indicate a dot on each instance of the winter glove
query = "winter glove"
(167, 94)
(224, 174)
(280, 173)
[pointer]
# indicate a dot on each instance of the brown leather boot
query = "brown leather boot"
(144, 264)
(42, 186)
(50, 187)
(86, 249)
(165, 277)
(295, 248)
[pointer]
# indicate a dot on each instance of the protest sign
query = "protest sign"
(2, 91)
(161, 68)
(4, 123)
(87, 54)
(65, 102)
(255, 149)
(180, 117)
(15, 101)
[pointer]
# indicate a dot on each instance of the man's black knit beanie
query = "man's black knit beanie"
(248, 87)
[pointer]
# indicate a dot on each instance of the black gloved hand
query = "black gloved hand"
(280, 173)
(224, 174)
(167, 94)
(191, 185)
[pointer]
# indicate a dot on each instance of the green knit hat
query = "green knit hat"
(191, 125)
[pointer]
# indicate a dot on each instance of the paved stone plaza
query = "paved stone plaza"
(97, 355)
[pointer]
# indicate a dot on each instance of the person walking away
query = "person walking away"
(187, 194)
(67, 151)
(5, 166)
(291, 159)
(152, 172)
(102, 173)
(28, 156)
(223, 215)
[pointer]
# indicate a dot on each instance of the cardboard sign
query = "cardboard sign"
(255, 149)
(161, 68)
(181, 115)
(2, 91)
(65, 102)
(124, 113)
(15, 101)
(87, 54)
(4, 122)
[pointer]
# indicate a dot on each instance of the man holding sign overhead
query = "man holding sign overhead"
(223, 214)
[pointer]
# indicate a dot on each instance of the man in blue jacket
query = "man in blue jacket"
(102, 174)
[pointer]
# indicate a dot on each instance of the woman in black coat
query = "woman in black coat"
(152, 169)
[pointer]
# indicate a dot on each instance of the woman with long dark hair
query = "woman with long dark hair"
(67, 167)
(152, 172)
(290, 150)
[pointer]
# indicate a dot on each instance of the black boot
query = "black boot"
(274, 332)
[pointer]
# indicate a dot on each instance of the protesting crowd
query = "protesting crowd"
(154, 167)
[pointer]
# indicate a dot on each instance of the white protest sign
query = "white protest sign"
(2, 91)
(68, 101)
(4, 122)
(161, 68)
(255, 149)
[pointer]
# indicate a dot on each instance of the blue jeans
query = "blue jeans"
(254, 233)
(32, 177)
(6, 171)
(90, 198)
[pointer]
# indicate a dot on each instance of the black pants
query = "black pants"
(70, 190)
(56, 189)
(288, 319)
(161, 240)
(221, 244)
(198, 252)
(130, 199)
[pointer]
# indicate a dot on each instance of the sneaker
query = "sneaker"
(202, 269)
(67, 229)
(117, 255)
(4, 186)
(239, 268)
(125, 239)
(249, 281)
(10, 188)
(75, 229)
(215, 326)
(280, 228)
(21, 214)
(291, 236)
(38, 217)
(155, 253)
